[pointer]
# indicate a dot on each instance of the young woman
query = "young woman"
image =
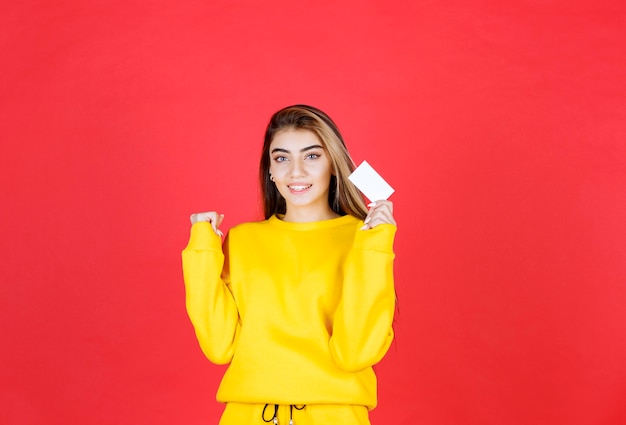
(299, 305)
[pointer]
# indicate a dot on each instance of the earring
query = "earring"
(271, 177)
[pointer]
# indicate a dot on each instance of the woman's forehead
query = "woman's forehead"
(295, 139)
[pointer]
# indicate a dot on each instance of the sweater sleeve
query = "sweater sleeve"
(209, 301)
(362, 326)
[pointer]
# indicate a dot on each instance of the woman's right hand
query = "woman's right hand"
(210, 216)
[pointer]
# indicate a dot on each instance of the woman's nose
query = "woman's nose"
(297, 169)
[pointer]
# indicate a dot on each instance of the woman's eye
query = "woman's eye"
(280, 158)
(313, 156)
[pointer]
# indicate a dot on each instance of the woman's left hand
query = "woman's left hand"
(380, 212)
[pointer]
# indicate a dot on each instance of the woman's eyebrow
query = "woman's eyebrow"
(308, 148)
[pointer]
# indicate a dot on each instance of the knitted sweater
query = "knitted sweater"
(301, 311)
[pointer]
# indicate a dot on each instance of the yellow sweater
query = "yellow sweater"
(301, 311)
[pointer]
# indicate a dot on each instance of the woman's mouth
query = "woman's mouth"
(299, 187)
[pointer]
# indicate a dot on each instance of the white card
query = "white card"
(368, 181)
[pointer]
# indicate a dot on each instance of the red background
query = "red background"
(500, 124)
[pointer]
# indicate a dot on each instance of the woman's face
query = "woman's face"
(301, 169)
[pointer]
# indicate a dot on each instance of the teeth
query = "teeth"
(299, 187)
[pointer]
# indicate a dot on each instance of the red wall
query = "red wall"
(501, 125)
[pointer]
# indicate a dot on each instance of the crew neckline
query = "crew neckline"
(311, 225)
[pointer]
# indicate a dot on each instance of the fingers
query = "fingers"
(212, 217)
(381, 212)
(216, 224)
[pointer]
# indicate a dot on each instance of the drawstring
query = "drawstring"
(291, 407)
(274, 418)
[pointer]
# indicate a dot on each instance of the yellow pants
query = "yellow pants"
(314, 414)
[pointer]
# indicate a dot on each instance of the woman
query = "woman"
(301, 304)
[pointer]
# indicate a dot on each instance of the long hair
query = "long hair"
(343, 196)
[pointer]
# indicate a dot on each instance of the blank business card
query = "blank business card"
(368, 181)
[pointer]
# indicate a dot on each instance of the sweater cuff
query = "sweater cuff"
(204, 238)
(380, 238)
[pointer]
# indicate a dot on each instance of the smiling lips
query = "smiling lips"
(299, 187)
